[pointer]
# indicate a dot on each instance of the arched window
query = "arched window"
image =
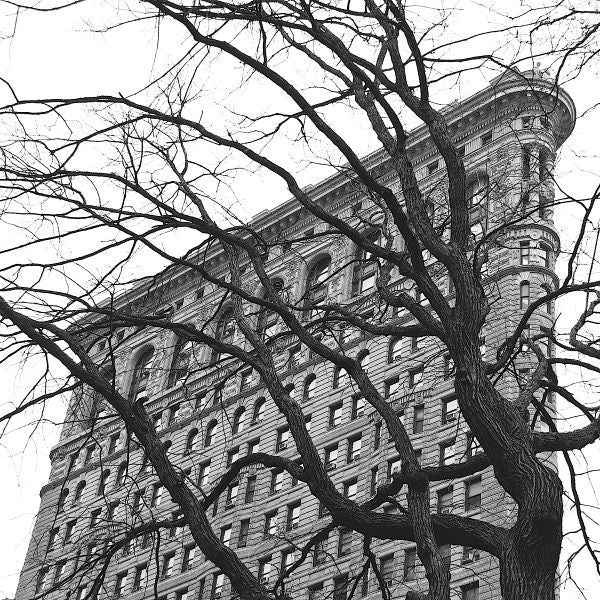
(102, 485)
(259, 410)
(477, 189)
(524, 294)
(238, 420)
(290, 388)
(340, 377)
(209, 438)
(225, 330)
(316, 283)
(141, 374)
(62, 499)
(121, 475)
(395, 350)
(365, 266)
(363, 359)
(310, 385)
(79, 492)
(192, 439)
(180, 363)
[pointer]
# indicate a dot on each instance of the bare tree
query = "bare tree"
(105, 187)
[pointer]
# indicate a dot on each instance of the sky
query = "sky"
(54, 55)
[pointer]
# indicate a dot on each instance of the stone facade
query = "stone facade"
(510, 132)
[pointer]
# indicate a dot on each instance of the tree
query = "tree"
(107, 185)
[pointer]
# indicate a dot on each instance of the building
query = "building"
(99, 485)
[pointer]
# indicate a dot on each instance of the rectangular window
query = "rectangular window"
(392, 388)
(254, 446)
(246, 380)
(473, 446)
(157, 490)
(377, 436)
(350, 489)
(182, 594)
(52, 537)
(61, 570)
(449, 410)
(469, 555)
(139, 579)
(448, 367)
(387, 569)
(410, 564)
(293, 516)
(120, 584)
(167, 565)
(358, 407)
(335, 415)
(232, 456)
(288, 557)
(415, 377)
(95, 514)
(226, 535)
(448, 453)
(294, 357)
(113, 443)
(374, 480)
(187, 562)
(176, 530)
(217, 587)
(203, 474)
(69, 531)
(320, 552)
(244, 531)
(433, 167)
(232, 492)
(470, 591)
(418, 419)
(264, 570)
(344, 542)
(473, 494)
(315, 592)
(331, 455)
(282, 439)
(486, 138)
(354, 445)
(340, 587)
(524, 253)
(445, 502)
(270, 523)
(276, 481)
(394, 466)
(250, 489)
(174, 412)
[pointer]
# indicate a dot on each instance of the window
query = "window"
(335, 415)
(217, 586)
(364, 583)
(140, 576)
(447, 453)
(232, 492)
(473, 494)
(358, 407)
(340, 587)
(60, 571)
(395, 350)
(386, 568)
(176, 530)
(486, 138)
(545, 255)
(323, 511)
(173, 415)
(473, 446)
(167, 565)
(354, 445)
(344, 541)
(209, 438)
(293, 516)
(316, 285)
(225, 330)
(340, 378)
(203, 474)
(243, 534)
(320, 552)
(121, 475)
(232, 456)
(112, 510)
(250, 489)
(81, 592)
(392, 388)
(180, 362)
(524, 295)
(444, 501)
(270, 523)
(95, 516)
(448, 367)
(410, 564)
(477, 189)
(103, 482)
(157, 490)
(414, 341)
(246, 380)
(394, 466)
(226, 535)
(363, 360)
(157, 421)
(377, 435)
(374, 480)
(181, 594)
(288, 558)
(433, 167)
(315, 592)
(415, 377)
(113, 443)
(259, 410)
(350, 489)
(264, 570)
(282, 439)
(449, 410)
(120, 584)
(418, 418)
(470, 591)
(365, 266)
(191, 441)
(331, 455)
(308, 391)
(141, 374)
(52, 537)
(524, 253)
(276, 481)
(79, 492)
(469, 555)
(446, 552)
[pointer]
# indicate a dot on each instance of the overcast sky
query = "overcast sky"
(54, 55)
